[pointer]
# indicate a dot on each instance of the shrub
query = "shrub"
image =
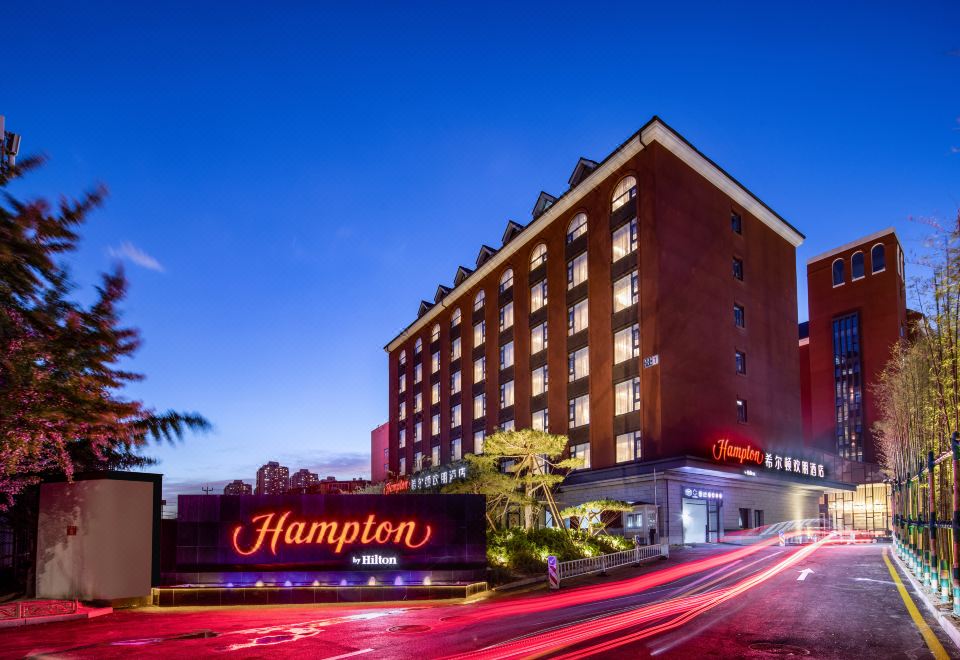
(526, 552)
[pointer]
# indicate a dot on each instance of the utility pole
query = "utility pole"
(206, 490)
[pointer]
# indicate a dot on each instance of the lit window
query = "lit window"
(627, 396)
(418, 346)
(738, 269)
(506, 394)
(417, 373)
(435, 393)
(878, 258)
(624, 240)
(479, 406)
(455, 416)
(506, 280)
(435, 455)
(540, 380)
(741, 362)
(403, 465)
(417, 432)
(455, 349)
(418, 402)
(455, 382)
(578, 364)
(402, 361)
(403, 383)
(626, 292)
(478, 438)
(577, 318)
(539, 256)
(736, 223)
(577, 227)
(581, 451)
(455, 319)
(508, 425)
(402, 411)
(479, 333)
(739, 316)
(506, 355)
(577, 270)
(402, 438)
(435, 333)
(838, 274)
(479, 369)
(417, 461)
(624, 192)
(857, 269)
(478, 301)
(538, 338)
(540, 421)
(538, 295)
(741, 411)
(435, 363)
(455, 450)
(435, 424)
(626, 343)
(628, 447)
(506, 316)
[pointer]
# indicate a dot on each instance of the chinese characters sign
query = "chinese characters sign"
(437, 477)
(702, 493)
(795, 465)
(725, 451)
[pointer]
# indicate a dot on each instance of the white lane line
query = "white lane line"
(349, 655)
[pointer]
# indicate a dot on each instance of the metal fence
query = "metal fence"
(588, 565)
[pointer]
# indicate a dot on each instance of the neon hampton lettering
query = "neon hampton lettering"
(273, 529)
(724, 451)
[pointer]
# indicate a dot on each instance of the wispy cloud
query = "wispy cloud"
(133, 254)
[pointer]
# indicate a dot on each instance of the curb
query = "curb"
(516, 584)
(85, 613)
(945, 619)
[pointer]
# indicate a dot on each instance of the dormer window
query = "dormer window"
(577, 227)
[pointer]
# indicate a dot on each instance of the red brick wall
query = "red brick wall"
(379, 440)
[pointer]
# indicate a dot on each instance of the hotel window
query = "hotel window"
(539, 256)
(848, 387)
(403, 383)
(538, 338)
(435, 455)
(739, 316)
(455, 382)
(577, 227)
(402, 411)
(417, 461)
(506, 316)
(479, 406)
(455, 319)
(577, 270)
(506, 355)
(541, 380)
(508, 426)
(455, 349)
(418, 346)
(624, 192)
(435, 393)
(455, 416)
(417, 402)
(506, 394)
(626, 343)
(435, 425)
(402, 438)
(628, 447)
(577, 318)
(479, 300)
(738, 269)
(857, 266)
(455, 449)
(741, 411)
(626, 292)
(479, 369)
(624, 240)
(479, 333)
(538, 295)
(627, 396)
(417, 373)
(579, 413)
(581, 451)
(403, 465)
(736, 223)
(838, 275)
(435, 363)
(402, 361)
(506, 280)
(878, 261)
(478, 438)
(578, 364)
(435, 333)
(541, 420)
(741, 362)
(417, 432)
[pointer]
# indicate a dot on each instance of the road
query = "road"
(705, 602)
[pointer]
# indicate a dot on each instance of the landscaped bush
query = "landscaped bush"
(526, 552)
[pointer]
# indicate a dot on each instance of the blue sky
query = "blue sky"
(278, 173)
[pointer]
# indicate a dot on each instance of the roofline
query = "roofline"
(654, 130)
(855, 243)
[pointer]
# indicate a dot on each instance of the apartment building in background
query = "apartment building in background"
(272, 479)
(238, 487)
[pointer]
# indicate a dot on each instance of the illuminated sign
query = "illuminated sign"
(794, 465)
(400, 486)
(725, 451)
(702, 493)
(438, 476)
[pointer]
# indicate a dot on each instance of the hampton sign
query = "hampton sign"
(742, 453)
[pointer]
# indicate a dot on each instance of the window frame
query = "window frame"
(628, 194)
(575, 232)
(506, 281)
(833, 272)
(538, 256)
(873, 260)
(853, 266)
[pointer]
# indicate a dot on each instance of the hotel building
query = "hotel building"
(648, 313)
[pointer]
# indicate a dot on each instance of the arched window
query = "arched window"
(479, 300)
(435, 333)
(856, 266)
(539, 256)
(878, 258)
(577, 227)
(418, 346)
(838, 275)
(624, 192)
(506, 280)
(455, 319)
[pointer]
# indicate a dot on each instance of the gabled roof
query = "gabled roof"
(583, 169)
(485, 253)
(425, 306)
(462, 273)
(544, 201)
(441, 293)
(513, 228)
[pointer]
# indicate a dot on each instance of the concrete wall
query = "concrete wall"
(111, 555)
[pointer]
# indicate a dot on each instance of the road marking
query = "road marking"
(803, 574)
(935, 646)
(349, 655)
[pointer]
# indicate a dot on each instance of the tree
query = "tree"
(485, 478)
(596, 514)
(60, 383)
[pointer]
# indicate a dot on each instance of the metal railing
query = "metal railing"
(588, 565)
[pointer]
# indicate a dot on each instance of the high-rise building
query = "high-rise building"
(238, 487)
(272, 479)
(303, 479)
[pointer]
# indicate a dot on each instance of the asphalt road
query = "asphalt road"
(706, 602)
